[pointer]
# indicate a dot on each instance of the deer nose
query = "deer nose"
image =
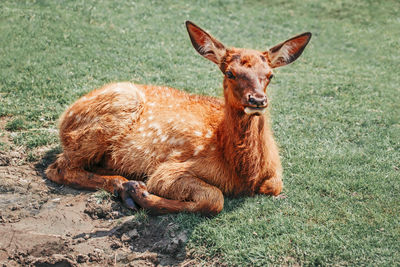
(257, 100)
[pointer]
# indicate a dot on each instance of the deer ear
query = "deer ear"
(205, 44)
(288, 51)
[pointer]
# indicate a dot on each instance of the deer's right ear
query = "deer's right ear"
(205, 44)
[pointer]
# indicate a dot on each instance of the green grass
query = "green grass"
(335, 112)
(102, 196)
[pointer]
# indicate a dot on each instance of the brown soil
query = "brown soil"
(45, 224)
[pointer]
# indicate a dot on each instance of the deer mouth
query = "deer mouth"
(249, 110)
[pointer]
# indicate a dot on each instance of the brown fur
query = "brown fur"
(190, 150)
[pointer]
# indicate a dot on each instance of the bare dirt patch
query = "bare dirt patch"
(45, 224)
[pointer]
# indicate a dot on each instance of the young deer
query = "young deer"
(183, 152)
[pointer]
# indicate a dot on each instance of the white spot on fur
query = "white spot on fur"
(181, 141)
(151, 104)
(78, 118)
(155, 125)
(172, 141)
(176, 141)
(149, 134)
(176, 153)
(197, 133)
(141, 129)
(212, 147)
(209, 134)
(70, 113)
(198, 149)
(144, 121)
(155, 140)
(169, 120)
(139, 147)
(163, 138)
(170, 106)
(151, 117)
(150, 111)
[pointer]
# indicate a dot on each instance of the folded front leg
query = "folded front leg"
(174, 188)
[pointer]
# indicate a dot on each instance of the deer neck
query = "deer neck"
(242, 140)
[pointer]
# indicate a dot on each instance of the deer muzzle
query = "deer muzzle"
(257, 104)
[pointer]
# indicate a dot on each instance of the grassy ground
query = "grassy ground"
(336, 111)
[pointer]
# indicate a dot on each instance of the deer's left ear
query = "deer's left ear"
(205, 44)
(288, 51)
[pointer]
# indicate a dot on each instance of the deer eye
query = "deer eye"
(230, 75)
(270, 77)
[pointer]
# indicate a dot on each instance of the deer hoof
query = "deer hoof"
(130, 204)
(136, 191)
(128, 189)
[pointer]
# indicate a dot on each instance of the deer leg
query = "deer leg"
(60, 172)
(175, 189)
(272, 183)
(272, 186)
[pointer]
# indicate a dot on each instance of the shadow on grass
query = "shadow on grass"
(232, 204)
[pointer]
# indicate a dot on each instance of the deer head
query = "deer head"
(247, 72)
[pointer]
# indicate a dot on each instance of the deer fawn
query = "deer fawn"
(181, 152)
